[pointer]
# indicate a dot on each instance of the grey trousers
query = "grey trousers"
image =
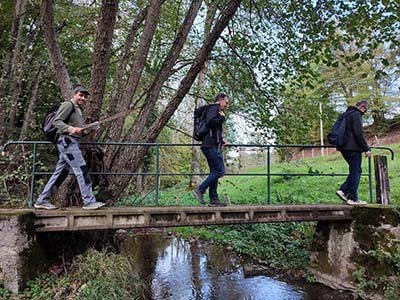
(70, 159)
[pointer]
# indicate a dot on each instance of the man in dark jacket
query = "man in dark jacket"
(212, 149)
(351, 150)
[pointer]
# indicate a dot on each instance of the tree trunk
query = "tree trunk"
(57, 61)
(101, 58)
(32, 103)
(188, 80)
(195, 163)
(8, 69)
(119, 78)
(135, 133)
(133, 158)
(137, 67)
(123, 60)
(141, 121)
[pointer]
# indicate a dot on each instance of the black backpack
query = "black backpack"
(49, 130)
(337, 136)
(200, 128)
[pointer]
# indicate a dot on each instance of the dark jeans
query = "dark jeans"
(215, 162)
(350, 186)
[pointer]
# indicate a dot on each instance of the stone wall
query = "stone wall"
(362, 255)
(20, 255)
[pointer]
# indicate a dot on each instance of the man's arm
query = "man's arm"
(358, 132)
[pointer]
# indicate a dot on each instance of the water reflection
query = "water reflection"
(176, 269)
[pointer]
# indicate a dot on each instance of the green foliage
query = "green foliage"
(47, 287)
(6, 8)
(95, 275)
(289, 250)
(284, 56)
(380, 271)
(4, 293)
(107, 276)
(390, 286)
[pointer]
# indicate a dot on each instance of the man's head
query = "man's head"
(80, 95)
(222, 100)
(363, 106)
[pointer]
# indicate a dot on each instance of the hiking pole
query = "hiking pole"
(96, 125)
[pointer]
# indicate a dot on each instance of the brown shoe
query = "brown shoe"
(199, 196)
(216, 203)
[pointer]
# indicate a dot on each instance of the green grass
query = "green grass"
(95, 275)
(289, 189)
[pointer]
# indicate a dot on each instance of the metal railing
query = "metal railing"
(158, 174)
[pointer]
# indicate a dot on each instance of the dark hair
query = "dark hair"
(220, 96)
(362, 103)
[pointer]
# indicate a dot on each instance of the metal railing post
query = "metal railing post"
(268, 176)
(32, 192)
(157, 172)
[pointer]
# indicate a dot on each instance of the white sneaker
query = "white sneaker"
(44, 205)
(93, 205)
(352, 202)
(342, 195)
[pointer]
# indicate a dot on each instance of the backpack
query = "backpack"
(337, 136)
(200, 128)
(49, 130)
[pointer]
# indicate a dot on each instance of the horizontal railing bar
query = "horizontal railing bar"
(186, 145)
(206, 174)
(263, 147)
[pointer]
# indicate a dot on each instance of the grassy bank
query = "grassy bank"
(312, 189)
(96, 275)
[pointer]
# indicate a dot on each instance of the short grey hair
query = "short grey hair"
(363, 103)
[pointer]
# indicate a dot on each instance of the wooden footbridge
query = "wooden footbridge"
(75, 219)
(21, 229)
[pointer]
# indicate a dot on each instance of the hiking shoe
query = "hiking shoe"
(352, 202)
(216, 203)
(93, 205)
(342, 195)
(199, 196)
(44, 205)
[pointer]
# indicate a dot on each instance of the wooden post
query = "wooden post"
(382, 179)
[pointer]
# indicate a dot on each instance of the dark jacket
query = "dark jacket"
(214, 122)
(355, 139)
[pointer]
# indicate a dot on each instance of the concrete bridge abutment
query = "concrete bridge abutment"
(361, 254)
(21, 257)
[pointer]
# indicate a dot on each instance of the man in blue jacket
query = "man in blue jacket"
(352, 149)
(212, 149)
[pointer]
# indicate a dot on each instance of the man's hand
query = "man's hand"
(221, 112)
(367, 153)
(76, 130)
